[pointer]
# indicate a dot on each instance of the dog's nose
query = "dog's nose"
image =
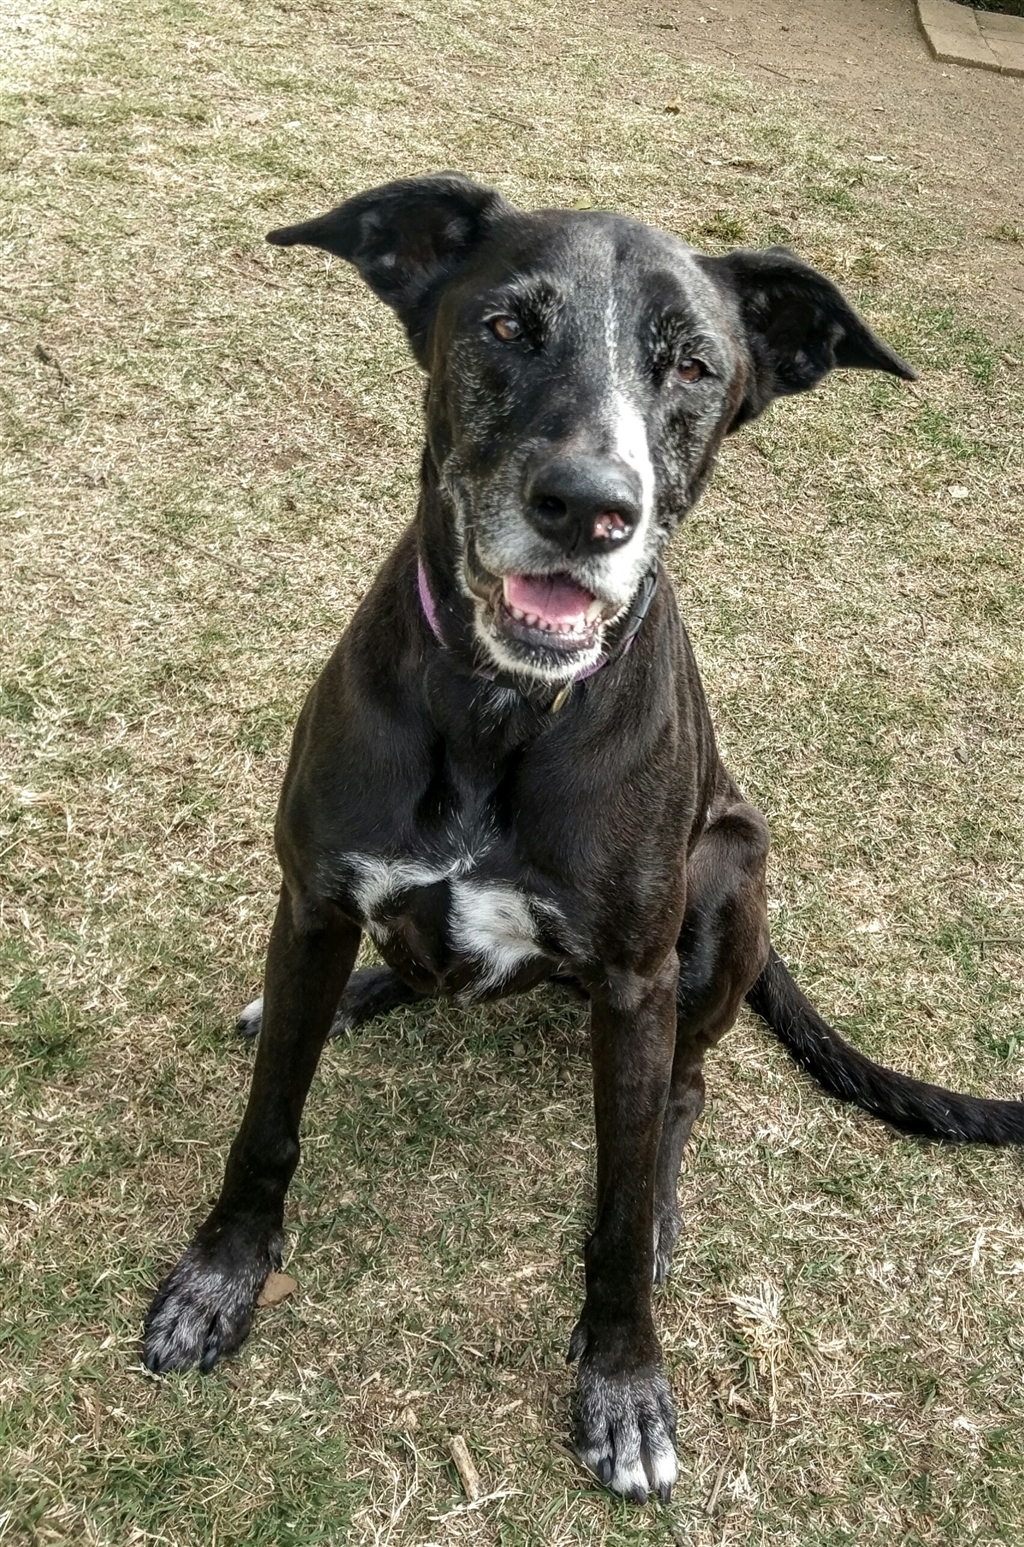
(583, 502)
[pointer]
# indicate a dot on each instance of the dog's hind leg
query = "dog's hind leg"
(722, 947)
(370, 992)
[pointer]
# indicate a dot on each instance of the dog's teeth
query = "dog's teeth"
(571, 628)
(593, 612)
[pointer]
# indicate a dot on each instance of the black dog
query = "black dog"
(507, 771)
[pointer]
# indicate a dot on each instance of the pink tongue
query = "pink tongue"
(555, 599)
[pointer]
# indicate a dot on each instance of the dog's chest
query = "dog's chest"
(459, 917)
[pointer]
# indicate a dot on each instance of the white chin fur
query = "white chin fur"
(509, 660)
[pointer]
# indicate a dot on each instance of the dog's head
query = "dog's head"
(583, 369)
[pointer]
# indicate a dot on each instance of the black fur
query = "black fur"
(507, 772)
(906, 1103)
(799, 327)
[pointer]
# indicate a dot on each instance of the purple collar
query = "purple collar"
(427, 603)
(430, 613)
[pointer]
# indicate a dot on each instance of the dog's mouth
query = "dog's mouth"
(549, 621)
(548, 625)
(552, 612)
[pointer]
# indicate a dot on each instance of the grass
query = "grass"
(210, 446)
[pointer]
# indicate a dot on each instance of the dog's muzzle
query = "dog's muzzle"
(582, 506)
(549, 611)
(547, 623)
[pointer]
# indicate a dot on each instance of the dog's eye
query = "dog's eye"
(506, 328)
(691, 370)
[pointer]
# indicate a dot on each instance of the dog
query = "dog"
(507, 772)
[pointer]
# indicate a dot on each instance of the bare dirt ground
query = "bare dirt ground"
(866, 62)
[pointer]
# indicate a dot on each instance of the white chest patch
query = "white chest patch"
(378, 880)
(491, 923)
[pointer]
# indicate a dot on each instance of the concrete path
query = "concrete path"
(956, 34)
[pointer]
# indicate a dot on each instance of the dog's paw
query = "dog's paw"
(203, 1309)
(667, 1227)
(625, 1431)
(250, 1020)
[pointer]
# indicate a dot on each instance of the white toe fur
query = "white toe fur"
(251, 1017)
(625, 1432)
(664, 1467)
(629, 1477)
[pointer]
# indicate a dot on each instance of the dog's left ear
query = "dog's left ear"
(798, 326)
(405, 239)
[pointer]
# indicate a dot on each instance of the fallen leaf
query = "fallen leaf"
(277, 1288)
(675, 106)
(957, 491)
(738, 1403)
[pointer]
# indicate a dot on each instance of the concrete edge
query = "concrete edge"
(982, 40)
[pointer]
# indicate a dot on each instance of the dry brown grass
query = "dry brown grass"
(207, 458)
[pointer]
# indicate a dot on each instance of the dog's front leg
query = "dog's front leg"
(625, 1413)
(203, 1309)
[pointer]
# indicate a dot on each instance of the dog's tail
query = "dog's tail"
(906, 1103)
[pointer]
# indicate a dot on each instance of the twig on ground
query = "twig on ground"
(466, 1467)
(798, 80)
(716, 1488)
(485, 1498)
(483, 112)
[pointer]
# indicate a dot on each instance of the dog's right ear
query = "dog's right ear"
(405, 239)
(797, 326)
